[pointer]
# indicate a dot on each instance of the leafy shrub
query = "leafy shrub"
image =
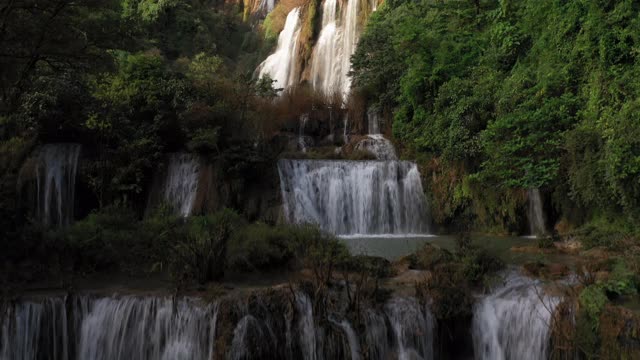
(320, 252)
(200, 249)
(544, 242)
(621, 281)
(478, 263)
(260, 247)
(594, 236)
(592, 301)
(428, 257)
(103, 239)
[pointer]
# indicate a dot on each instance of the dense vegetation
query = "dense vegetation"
(500, 96)
(492, 97)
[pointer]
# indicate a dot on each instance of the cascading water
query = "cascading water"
(55, 172)
(379, 146)
(373, 121)
(326, 73)
(354, 197)
(181, 182)
(352, 338)
(513, 322)
(281, 65)
(108, 328)
(535, 213)
(150, 327)
(302, 140)
(306, 326)
(412, 328)
(375, 142)
(336, 44)
(350, 41)
(267, 5)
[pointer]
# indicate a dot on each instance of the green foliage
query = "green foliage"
(320, 252)
(622, 281)
(200, 251)
(544, 242)
(103, 240)
(592, 301)
(607, 231)
(429, 256)
(526, 94)
(263, 247)
(478, 263)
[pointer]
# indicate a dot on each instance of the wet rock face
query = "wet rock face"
(192, 185)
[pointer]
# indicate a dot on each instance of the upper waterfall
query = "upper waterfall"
(176, 184)
(354, 197)
(53, 167)
(535, 213)
(331, 61)
(182, 182)
(281, 65)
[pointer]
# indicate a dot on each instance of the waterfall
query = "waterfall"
(326, 73)
(302, 141)
(377, 335)
(155, 327)
(412, 327)
(345, 134)
(267, 5)
(535, 213)
(331, 61)
(513, 321)
(108, 328)
(55, 167)
(375, 142)
(181, 182)
(306, 326)
(373, 121)
(350, 334)
(379, 146)
(354, 197)
(281, 65)
(350, 40)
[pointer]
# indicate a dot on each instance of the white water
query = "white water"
(352, 337)
(336, 44)
(281, 65)
(379, 146)
(404, 331)
(306, 326)
(181, 183)
(373, 121)
(375, 142)
(412, 327)
(132, 327)
(108, 328)
(513, 321)
(56, 167)
(267, 5)
(326, 72)
(535, 213)
(302, 141)
(354, 197)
